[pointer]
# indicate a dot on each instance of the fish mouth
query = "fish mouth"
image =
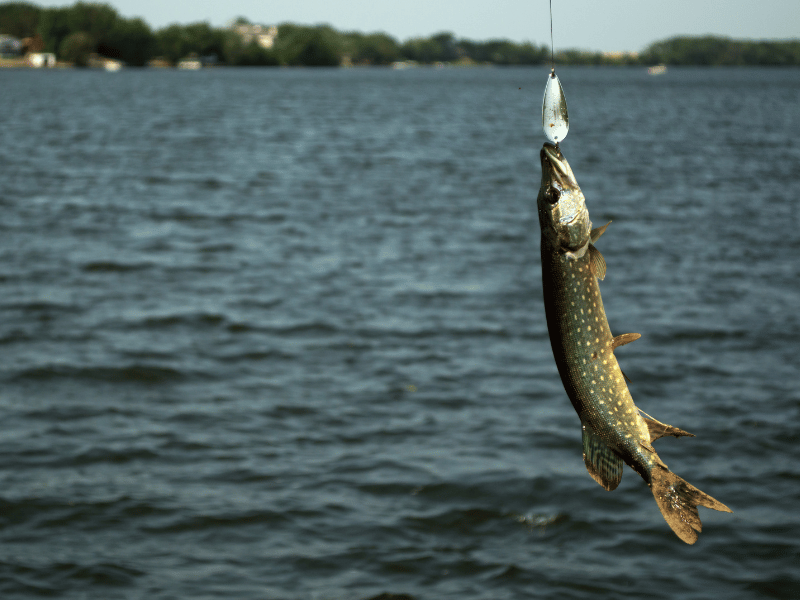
(555, 163)
(562, 208)
(562, 196)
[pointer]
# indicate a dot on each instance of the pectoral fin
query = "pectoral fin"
(597, 232)
(625, 338)
(597, 262)
(603, 464)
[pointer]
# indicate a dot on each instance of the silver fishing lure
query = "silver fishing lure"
(555, 120)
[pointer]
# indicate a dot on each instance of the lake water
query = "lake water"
(279, 334)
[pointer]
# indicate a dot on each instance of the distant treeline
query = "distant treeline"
(76, 32)
(719, 51)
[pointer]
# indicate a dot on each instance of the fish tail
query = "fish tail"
(678, 501)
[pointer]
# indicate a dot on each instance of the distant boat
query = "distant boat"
(405, 64)
(190, 64)
(40, 60)
(657, 70)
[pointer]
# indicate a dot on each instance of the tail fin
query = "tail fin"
(678, 501)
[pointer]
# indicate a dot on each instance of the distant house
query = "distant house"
(10, 46)
(264, 36)
(621, 55)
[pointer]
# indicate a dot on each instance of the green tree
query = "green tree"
(204, 39)
(76, 48)
(95, 19)
(232, 48)
(370, 49)
(178, 41)
(171, 43)
(254, 55)
(19, 19)
(711, 50)
(774, 53)
(235, 52)
(502, 52)
(299, 45)
(131, 41)
(54, 28)
(423, 50)
(446, 42)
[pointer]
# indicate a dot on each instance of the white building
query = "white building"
(42, 59)
(263, 35)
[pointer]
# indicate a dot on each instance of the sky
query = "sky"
(605, 25)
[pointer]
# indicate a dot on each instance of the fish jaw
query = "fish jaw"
(563, 216)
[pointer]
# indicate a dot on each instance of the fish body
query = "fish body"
(613, 429)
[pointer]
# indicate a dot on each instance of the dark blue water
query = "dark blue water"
(278, 334)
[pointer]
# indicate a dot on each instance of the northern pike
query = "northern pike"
(615, 431)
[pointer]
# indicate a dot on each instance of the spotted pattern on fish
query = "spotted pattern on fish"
(582, 346)
(613, 429)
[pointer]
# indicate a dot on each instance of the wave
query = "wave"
(403, 329)
(299, 328)
(45, 511)
(148, 374)
(109, 455)
(105, 266)
(255, 355)
(198, 318)
(42, 306)
(55, 578)
(221, 521)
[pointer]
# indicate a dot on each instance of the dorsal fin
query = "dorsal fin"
(621, 340)
(625, 338)
(597, 262)
(597, 232)
(603, 464)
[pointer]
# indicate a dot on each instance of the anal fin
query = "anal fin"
(603, 464)
(658, 429)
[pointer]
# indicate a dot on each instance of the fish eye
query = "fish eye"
(553, 195)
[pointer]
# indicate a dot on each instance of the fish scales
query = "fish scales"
(582, 347)
(613, 429)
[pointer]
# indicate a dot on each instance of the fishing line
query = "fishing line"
(552, 51)
(555, 121)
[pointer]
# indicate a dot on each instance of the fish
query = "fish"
(614, 430)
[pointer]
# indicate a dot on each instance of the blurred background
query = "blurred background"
(278, 333)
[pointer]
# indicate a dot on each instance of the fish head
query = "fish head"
(563, 216)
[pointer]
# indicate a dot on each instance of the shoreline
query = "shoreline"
(25, 63)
